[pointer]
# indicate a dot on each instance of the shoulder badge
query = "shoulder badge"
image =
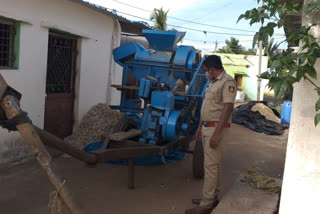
(232, 89)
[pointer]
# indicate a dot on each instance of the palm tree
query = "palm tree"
(271, 51)
(233, 46)
(160, 18)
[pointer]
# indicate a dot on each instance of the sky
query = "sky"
(196, 15)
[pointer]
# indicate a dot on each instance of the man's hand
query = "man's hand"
(198, 134)
(214, 141)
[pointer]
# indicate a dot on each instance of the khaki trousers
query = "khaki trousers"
(212, 165)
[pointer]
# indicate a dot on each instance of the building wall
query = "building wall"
(249, 80)
(301, 183)
(94, 61)
(251, 84)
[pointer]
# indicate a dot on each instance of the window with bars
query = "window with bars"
(8, 38)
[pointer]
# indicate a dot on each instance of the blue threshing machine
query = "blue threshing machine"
(161, 96)
(164, 100)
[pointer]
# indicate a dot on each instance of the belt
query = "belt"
(214, 124)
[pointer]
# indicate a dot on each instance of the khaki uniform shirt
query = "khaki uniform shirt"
(221, 90)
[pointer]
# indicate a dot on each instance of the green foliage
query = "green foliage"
(271, 51)
(160, 18)
(233, 46)
(318, 105)
(250, 52)
(312, 6)
(286, 67)
(278, 108)
(271, 11)
(316, 119)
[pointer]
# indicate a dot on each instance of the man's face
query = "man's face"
(209, 72)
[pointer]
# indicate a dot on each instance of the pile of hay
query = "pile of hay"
(260, 181)
(266, 111)
(98, 122)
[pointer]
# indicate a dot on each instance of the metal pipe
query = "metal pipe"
(259, 69)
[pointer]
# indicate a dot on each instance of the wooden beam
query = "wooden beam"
(125, 87)
(3, 86)
(59, 144)
(12, 109)
(121, 136)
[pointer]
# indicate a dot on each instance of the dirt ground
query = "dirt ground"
(159, 189)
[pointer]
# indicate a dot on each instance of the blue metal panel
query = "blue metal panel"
(163, 122)
(125, 51)
(185, 127)
(152, 56)
(122, 109)
(182, 54)
(140, 72)
(124, 82)
(193, 60)
(132, 104)
(163, 40)
(160, 73)
(172, 126)
(144, 88)
(179, 75)
(163, 100)
(136, 117)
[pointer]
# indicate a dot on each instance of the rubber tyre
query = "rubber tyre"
(198, 160)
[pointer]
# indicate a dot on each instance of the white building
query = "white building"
(58, 54)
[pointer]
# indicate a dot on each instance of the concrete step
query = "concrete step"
(242, 198)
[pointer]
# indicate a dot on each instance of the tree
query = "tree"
(288, 67)
(250, 52)
(232, 47)
(271, 51)
(160, 18)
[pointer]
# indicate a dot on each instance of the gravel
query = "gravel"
(266, 111)
(98, 122)
(261, 181)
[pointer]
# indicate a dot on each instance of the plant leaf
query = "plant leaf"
(311, 59)
(316, 119)
(283, 89)
(302, 58)
(300, 74)
(318, 105)
(312, 72)
(275, 64)
(294, 69)
(255, 39)
(241, 17)
(265, 75)
(270, 28)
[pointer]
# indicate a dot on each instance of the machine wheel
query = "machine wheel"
(125, 124)
(198, 160)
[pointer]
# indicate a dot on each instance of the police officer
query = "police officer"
(215, 121)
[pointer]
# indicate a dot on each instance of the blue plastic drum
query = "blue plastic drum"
(286, 112)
